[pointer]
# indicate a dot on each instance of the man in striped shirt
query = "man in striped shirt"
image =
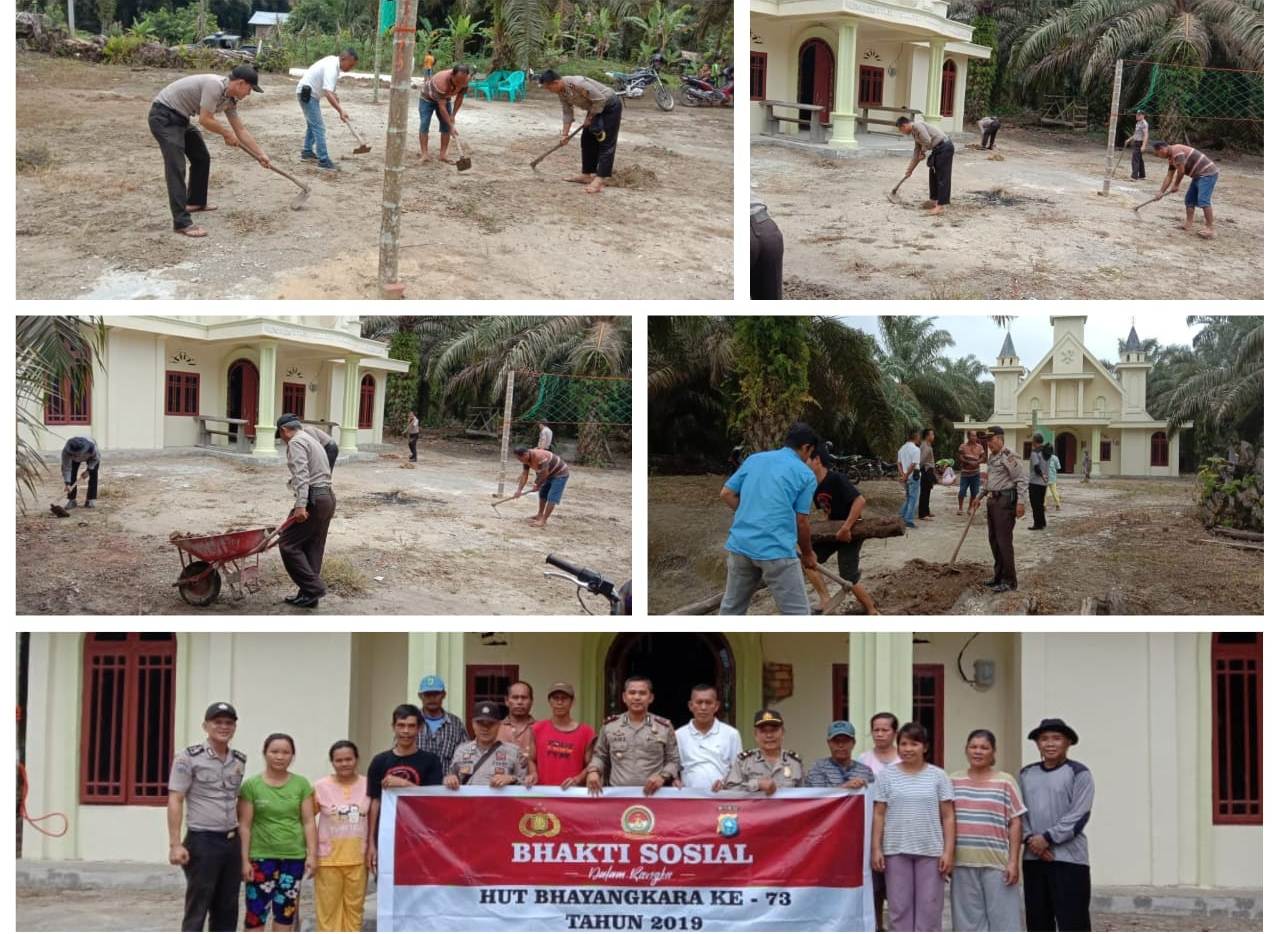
(551, 474)
(1203, 172)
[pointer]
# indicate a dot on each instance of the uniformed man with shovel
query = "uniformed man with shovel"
(936, 147)
(1006, 496)
(600, 125)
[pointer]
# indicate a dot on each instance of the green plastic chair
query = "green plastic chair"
(513, 85)
(488, 85)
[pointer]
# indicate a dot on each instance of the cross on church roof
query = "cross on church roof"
(1133, 344)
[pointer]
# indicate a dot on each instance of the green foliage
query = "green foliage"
(1231, 490)
(199, 58)
(120, 50)
(772, 360)
(312, 16)
(661, 29)
(982, 75)
(402, 388)
(272, 59)
(173, 27)
(106, 10)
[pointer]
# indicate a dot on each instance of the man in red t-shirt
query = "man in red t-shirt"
(562, 745)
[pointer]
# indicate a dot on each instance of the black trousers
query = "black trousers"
(413, 447)
(1137, 166)
(302, 545)
(1001, 516)
(1036, 492)
(928, 480)
(1057, 895)
(989, 135)
(766, 259)
(180, 143)
(213, 881)
(93, 485)
(597, 155)
(331, 451)
(939, 162)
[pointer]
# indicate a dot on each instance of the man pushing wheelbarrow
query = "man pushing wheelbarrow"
(302, 543)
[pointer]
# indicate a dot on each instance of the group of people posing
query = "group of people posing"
(979, 828)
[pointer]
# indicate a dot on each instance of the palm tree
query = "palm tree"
(1220, 386)
(1087, 37)
(913, 363)
(771, 356)
(460, 28)
(691, 382)
(660, 26)
(601, 29)
(50, 348)
(849, 406)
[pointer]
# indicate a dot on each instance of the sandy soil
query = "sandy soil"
(429, 533)
(1030, 226)
(96, 224)
(1140, 536)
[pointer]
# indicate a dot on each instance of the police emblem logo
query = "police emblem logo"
(638, 821)
(539, 824)
(727, 824)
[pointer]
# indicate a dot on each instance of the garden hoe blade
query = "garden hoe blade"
(464, 162)
(893, 195)
(299, 199)
(498, 503)
(363, 147)
(1145, 203)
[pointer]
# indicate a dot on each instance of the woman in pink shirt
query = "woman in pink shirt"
(342, 808)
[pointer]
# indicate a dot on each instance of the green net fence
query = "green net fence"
(580, 400)
(1183, 101)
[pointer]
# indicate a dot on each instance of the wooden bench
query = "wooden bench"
(204, 434)
(866, 120)
(808, 115)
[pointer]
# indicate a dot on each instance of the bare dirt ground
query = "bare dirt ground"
(429, 533)
(1030, 226)
(149, 910)
(1140, 536)
(95, 224)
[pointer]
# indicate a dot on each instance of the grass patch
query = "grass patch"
(343, 577)
(33, 158)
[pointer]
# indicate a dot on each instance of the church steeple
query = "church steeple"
(1133, 351)
(1007, 374)
(1007, 349)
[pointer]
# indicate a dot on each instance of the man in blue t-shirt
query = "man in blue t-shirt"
(771, 495)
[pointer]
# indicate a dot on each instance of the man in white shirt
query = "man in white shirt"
(909, 476)
(321, 80)
(544, 436)
(707, 746)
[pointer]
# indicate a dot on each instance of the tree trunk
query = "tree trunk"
(824, 530)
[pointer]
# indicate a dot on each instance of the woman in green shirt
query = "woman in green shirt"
(277, 838)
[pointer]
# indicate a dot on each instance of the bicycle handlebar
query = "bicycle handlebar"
(592, 580)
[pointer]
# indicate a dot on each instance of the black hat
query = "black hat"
(221, 709)
(768, 715)
(286, 419)
(484, 710)
(996, 430)
(246, 73)
(1053, 724)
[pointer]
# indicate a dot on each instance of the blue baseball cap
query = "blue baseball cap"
(430, 684)
(841, 728)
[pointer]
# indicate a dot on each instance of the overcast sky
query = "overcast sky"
(1033, 335)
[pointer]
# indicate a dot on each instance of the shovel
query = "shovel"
(893, 195)
(534, 164)
(363, 147)
(301, 197)
(465, 162)
(973, 511)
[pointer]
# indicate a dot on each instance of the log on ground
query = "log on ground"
(824, 530)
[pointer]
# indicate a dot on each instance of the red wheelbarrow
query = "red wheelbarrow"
(204, 556)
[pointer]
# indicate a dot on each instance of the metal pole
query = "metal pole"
(1114, 126)
(401, 71)
(377, 47)
(71, 18)
(506, 429)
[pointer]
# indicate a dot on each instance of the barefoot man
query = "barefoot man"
(1203, 172)
(599, 127)
(936, 149)
(442, 95)
(840, 500)
(204, 96)
(551, 474)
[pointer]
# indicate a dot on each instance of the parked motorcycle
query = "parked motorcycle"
(695, 92)
(633, 84)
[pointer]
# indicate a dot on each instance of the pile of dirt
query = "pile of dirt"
(924, 587)
(798, 288)
(634, 176)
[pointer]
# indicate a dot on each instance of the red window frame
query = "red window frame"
(181, 393)
(759, 72)
(928, 706)
(367, 390)
(870, 86)
(489, 683)
(949, 72)
(1237, 728)
(127, 714)
(1104, 451)
(79, 411)
(1160, 449)
(840, 691)
(294, 396)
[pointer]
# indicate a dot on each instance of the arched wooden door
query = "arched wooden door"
(1065, 445)
(949, 96)
(242, 394)
(817, 76)
(675, 662)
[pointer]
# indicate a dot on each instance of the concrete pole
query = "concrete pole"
(1113, 126)
(377, 47)
(264, 439)
(933, 99)
(401, 71)
(71, 18)
(200, 23)
(843, 115)
(506, 430)
(350, 405)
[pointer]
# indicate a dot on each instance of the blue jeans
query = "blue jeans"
(783, 576)
(971, 484)
(1200, 191)
(314, 143)
(908, 510)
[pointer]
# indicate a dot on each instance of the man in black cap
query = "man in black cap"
(485, 760)
(302, 543)
(202, 96)
(330, 446)
(206, 779)
(1058, 793)
(768, 767)
(601, 123)
(75, 452)
(1006, 496)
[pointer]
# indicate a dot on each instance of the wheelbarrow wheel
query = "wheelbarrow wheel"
(200, 592)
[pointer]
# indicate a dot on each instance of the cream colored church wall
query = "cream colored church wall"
(967, 707)
(808, 711)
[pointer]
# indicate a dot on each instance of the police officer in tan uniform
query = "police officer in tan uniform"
(206, 779)
(638, 748)
(485, 760)
(1006, 495)
(768, 767)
